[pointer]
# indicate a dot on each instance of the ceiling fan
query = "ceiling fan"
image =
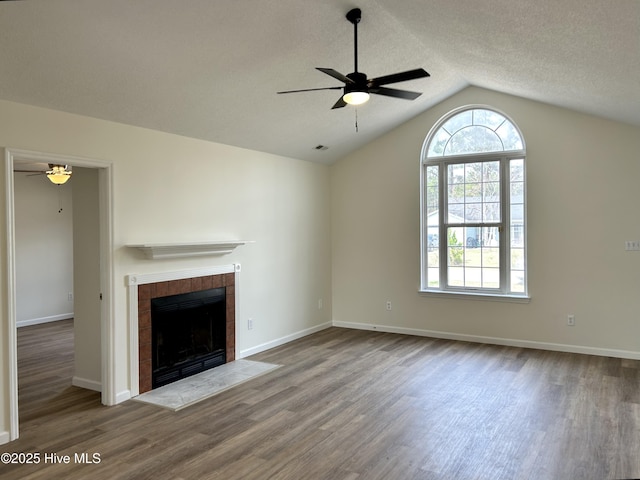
(357, 87)
(57, 174)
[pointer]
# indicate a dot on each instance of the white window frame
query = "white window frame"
(503, 293)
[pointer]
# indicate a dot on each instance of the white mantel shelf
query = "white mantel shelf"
(156, 251)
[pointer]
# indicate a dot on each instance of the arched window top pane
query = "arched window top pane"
(476, 130)
(473, 139)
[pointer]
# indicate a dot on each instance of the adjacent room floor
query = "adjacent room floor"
(346, 404)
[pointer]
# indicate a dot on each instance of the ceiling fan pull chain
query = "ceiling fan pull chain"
(356, 109)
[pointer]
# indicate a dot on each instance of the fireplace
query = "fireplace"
(152, 288)
(188, 334)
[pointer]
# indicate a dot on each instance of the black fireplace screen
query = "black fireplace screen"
(188, 334)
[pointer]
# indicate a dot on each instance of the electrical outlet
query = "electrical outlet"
(250, 324)
(388, 305)
(70, 296)
(571, 320)
(632, 245)
(320, 304)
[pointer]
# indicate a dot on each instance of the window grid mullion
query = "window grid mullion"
(505, 262)
(443, 213)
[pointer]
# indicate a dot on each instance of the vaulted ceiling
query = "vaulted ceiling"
(211, 69)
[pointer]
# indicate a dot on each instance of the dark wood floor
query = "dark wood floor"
(346, 404)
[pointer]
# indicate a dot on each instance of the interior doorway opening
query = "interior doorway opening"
(99, 211)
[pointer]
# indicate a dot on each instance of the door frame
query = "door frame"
(107, 321)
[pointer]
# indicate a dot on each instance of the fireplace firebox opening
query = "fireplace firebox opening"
(188, 333)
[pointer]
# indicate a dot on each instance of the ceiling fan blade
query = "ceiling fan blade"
(312, 89)
(339, 104)
(399, 77)
(337, 75)
(394, 92)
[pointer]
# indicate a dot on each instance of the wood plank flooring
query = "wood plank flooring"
(349, 405)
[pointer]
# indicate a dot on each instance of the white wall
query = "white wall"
(169, 188)
(44, 249)
(87, 281)
(583, 175)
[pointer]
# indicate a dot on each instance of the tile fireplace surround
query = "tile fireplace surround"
(144, 288)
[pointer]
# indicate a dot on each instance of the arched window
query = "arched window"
(473, 205)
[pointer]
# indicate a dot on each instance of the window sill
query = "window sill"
(475, 296)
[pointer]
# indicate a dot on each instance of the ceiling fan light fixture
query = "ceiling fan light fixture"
(58, 174)
(355, 97)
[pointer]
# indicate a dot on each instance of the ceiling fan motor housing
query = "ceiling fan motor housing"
(359, 83)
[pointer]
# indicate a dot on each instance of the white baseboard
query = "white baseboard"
(123, 396)
(85, 383)
(509, 342)
(4, 438)
(281, 341)
(37, 321)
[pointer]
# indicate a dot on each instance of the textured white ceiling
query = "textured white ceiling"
(210, 69)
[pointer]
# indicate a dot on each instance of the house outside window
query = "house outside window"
(473, 222)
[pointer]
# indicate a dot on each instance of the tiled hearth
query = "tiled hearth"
(145, 289)
(190, 390)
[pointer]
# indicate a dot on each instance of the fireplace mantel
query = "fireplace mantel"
(155, 251)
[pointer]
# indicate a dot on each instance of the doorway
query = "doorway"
(104, 269)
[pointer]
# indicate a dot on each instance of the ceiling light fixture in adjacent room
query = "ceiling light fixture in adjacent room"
(58, 174)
